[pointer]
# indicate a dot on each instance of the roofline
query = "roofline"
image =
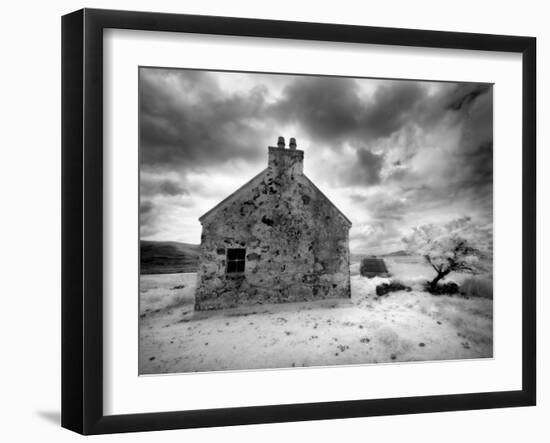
(328, 200)
(226, 199)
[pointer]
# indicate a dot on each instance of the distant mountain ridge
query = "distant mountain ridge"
(168, 257)
(356, 257)
(399, 253)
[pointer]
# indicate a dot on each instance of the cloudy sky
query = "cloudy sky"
(391, 154)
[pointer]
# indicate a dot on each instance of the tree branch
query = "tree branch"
(427, 257)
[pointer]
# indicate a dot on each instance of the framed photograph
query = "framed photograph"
(269, 221)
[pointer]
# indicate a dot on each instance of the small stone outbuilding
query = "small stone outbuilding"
(276, 239)
(373, 267)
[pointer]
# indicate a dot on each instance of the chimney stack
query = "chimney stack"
(285, 161)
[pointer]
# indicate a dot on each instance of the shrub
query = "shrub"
(417, 283)
(386, 288)
(477, 287)
(442, 288)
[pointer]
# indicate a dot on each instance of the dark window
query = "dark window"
(235, 260)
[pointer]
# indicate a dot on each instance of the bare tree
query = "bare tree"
(459, 245)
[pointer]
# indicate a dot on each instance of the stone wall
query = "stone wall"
(296, 241)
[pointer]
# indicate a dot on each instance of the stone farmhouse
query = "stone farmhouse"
(276, 239)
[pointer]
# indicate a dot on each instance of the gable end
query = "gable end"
(346, 220)
(232, 196)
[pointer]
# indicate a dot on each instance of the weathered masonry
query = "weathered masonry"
(276, 239)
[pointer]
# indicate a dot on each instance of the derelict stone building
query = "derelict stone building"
(278, 238)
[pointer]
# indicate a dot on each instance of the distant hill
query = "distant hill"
(396, 254)
(168, 257)
(356, 257)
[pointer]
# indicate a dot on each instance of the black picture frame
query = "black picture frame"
(82, 220)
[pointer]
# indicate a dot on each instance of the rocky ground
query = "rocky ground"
(402, 326)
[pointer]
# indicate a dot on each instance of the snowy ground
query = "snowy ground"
(403, 326)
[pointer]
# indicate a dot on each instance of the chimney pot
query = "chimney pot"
(292, 143)
(289, 162)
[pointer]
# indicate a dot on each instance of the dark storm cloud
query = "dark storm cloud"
(329, 109)
(474, 159)
(164, 187)
(145, 207)
(468, 166)
(367, 169)
(465, 94)
(390, 153)
(187, 121)
(461, 176)
(334, 110)
(168, 187)
(391, 107)
(147, 217)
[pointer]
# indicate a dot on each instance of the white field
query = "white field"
(402, 326)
